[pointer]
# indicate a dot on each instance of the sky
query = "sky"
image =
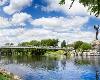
(26, 20)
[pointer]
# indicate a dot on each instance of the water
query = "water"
(45, 68)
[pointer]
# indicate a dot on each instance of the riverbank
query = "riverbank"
(5, 75)
(54, 53)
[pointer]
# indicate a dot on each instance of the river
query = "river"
(46, 68)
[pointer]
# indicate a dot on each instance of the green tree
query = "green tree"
(63, 44)
(77, 45)
(35, 43)
(49, 42)
(93, 5)
(85, 46)
(24, 44)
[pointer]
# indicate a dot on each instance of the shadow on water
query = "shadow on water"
(47, 68)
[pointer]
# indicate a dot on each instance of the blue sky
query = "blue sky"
(25, 20)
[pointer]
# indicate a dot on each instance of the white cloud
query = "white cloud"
(68, 29)
(20, 18)
(21, 35)
(16, 20)
(77, 9)
(60, 23)
(10, 35)
(3, 2)
(63, 28)
(4, 22)
(16, 5)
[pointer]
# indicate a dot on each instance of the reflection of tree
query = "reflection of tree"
(93, 60)
(97, 75)
(93, 5)
(35, 62)
(82, 62)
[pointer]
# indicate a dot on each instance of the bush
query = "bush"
(85, 46)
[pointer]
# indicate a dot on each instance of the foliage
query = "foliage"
(49, 42)
(5, 76)
(63, 44)
(9, 44)
(24, 44)
(54, 53)
(85, 46)
(44, 42)
(35, 43)
(77, 44)
(93, 5)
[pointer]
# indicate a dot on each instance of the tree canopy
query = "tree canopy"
(63, 44)
(93, 5)
(44, 42)
(85, 46)
(77, 44)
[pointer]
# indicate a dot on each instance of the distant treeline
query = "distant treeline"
(44, 42)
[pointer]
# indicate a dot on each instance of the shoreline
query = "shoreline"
(6, 73)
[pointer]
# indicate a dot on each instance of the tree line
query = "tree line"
(44, 42)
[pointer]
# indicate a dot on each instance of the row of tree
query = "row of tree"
(78, 45)
(44, 42)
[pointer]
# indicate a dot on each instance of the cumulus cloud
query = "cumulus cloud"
(60, 23)
(20, 18)
(62, 28)
(77, 9)
(10, 35)
(16, 5)
(4, 22)
(3, 2)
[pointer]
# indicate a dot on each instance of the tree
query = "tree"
(63, 44)
(77, 45)
(24, 44)
(85, 46)
(35, 43)
(9, 44)
(93, 5)
(49, 42)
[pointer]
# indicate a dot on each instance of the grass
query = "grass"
(4, 77)
(54, 53)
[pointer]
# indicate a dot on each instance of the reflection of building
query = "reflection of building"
(96, 45)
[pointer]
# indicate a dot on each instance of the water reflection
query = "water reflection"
(46, 68)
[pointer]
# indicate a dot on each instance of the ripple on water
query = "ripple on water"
(51, 70)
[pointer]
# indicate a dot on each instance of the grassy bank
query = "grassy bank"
(5, 75)
(54, 53)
